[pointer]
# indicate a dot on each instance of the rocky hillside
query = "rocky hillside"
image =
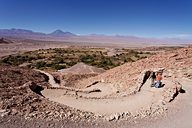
(126, 75)
(17, 85)
(18, 96)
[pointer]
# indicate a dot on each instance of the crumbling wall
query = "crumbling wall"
(145, 75)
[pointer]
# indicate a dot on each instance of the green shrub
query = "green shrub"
(40, 64)
(86, 58)
(6, 61)
(71, 63)
(58, 67)
(58, 60)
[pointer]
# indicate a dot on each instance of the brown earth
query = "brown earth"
(70, 76)
(126, 75)
(122, 84)
(5, 41)
(18, 100)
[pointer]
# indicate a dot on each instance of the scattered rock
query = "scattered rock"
(15, 97)
(5, 113)
(113, 117)
(117, 116)
(14, 111)
(110, 118)
(2, 110)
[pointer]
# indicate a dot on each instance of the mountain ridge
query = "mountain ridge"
(59, 35)
(59, 32)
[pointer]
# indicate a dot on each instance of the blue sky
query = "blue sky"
(147, 18)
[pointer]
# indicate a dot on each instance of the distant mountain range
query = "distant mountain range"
(59, 35)
(28, 33)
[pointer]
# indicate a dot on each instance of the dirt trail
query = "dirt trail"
(94, 92)
(97, 101)
(107, 107)
(51, 78)
(180, 112)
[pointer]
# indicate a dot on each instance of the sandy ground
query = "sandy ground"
(51, 79)
(106, 107)
(179, 116)
(23, 46)
(180, 112)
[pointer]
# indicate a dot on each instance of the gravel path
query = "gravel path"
(182, 111)
(107, 107)
(179, 115)
(51, 78)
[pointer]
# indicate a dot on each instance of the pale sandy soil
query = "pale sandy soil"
(179, 110)
(23, 46)
(179, 115)
(94, 101)
(51, 78)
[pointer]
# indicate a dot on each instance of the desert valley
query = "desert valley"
(66, 84)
